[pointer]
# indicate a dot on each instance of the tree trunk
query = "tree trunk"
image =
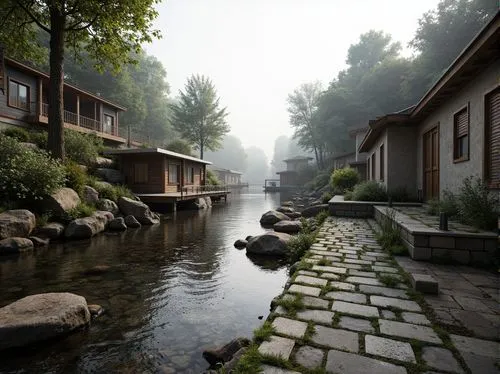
(56, 84)
(201, 150)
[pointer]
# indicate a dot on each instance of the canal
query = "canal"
(171, 291)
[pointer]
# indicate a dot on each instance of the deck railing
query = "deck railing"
(199, 190)
(86, 122)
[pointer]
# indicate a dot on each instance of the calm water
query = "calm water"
(173, 290)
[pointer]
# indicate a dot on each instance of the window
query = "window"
(461, 135)
(189, 175)
(109, 124)
(19, 95)
(140, 173)
(382, 161)
(373, 165)
(173, 175)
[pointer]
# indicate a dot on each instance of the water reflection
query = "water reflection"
(171, 290)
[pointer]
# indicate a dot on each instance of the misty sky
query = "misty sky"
(257, 51)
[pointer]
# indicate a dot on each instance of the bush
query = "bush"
(321, 180)
(344, 179)
(82, 210)
(448, 205)
(389, 237)
(27, 175)
(212, 179)
(348, 195)
(321, 217)
(17, 133)
(82, 148)
(109, 191)
(298, 245)
(476, 205)
(325, 198)
(369, 191)
(76, 177)
(39, 138)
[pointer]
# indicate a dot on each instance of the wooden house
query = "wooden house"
(158, 171)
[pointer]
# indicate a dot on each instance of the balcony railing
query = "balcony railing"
(85, 122)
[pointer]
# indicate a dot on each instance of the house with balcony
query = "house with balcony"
(24, 93)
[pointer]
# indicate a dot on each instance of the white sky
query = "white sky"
(258, 51)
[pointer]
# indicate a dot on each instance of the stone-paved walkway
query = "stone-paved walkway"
(353, 323)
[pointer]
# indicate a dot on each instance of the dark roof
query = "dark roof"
(298, 158)
(138, 151)
(29, 69)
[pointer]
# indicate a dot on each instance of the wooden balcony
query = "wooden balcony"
(83, 124)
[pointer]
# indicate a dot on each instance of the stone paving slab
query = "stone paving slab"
(385, 302)
(408, 330)
(352, 297)
(277, 346)
(416, 318)
(336, 338)
(356, 309)
(266, 369)
(313, 281)
(309, 357)
(441, 359)
(363, 280)
(389, 348)
(356, 324)
(348, 363)
(385, 291)
(330, 269)
(305, 290)
(343, 286)
(320, 316)
(290, 327)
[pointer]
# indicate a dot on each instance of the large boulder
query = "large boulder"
(131, 222)
(118, 224)
(52, 230)
(15, 245)
(294, 215)
(270, 243)
(290, 227)
(61, 201)
(103, 162)
(240, 243)
(285, 209)
(139, 210)
(41, 317)
(90, 195)
(199, 203)
(110, 175)
(271, 217)
(108, 205)
(312, 211)
(85, 228)
(19, 222)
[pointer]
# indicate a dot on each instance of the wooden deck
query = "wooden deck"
(174, 197)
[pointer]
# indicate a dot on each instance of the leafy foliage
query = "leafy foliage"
(390, 235)
(180, 146)
(27, 175)
(82, 148)
(197, 116)
(76, 177)
(447, 204)
(82, 210)
(477, 205)
(325, 198)
(298, 245)
(369, 191)
(344, 179)
(212, 179)
(17, 133)
(264, 332)
(111, 192)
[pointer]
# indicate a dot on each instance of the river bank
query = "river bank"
(172, 290)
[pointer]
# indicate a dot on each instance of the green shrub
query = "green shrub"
(76, 177)
(325, 198)
(321, 180)
(82, 210)
(212, 179)
(110, 192)
(344, 179)
(82, 148)
(39, 138)
(298, 245)
(389, 236)
(348, 195)
(17, 133)
(321, 217)
(27, 175)
(264, 332)
(477, 206)
(369, 191)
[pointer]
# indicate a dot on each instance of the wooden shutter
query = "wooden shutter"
(461, 123)
(493, 137)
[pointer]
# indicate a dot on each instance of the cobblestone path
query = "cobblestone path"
(358, 315)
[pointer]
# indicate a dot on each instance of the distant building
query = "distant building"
(291, 177)
(24, 93)
(230, 178)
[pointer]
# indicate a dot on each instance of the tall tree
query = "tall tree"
(302, 106)
(107, 30)
(197, 115)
